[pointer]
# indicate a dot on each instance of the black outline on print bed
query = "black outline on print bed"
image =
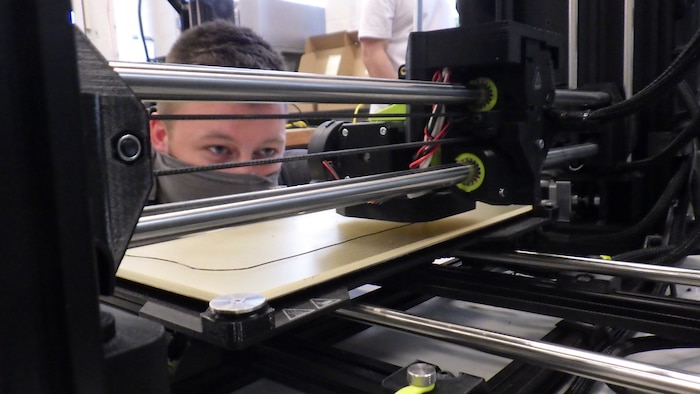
(267, 262)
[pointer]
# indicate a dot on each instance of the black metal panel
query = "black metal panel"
(135, 357)
(663, 28)
(319, 369)
(50, 340)
(551, 15)
(117, 148)
(600, 41)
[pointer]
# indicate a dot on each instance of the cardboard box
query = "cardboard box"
(333, 54)
(358, 69)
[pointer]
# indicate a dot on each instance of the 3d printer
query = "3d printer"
(598, 184)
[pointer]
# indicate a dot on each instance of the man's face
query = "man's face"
(204, 142)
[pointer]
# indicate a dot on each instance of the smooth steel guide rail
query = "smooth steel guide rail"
(658, 273)
(298, 199)
(188, 82)
(618, 371)
(302, 198)
(566, 154)
(555, 156)
(181, 82)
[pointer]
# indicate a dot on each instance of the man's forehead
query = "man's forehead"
(273, 136)
(232, 107)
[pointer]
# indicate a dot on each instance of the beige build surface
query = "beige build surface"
(277, 257)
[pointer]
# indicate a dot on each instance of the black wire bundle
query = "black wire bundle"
(653, 92)
(621, 342)
(690, 131)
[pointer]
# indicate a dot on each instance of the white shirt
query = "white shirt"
(393, 20)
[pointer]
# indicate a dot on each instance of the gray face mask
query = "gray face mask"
(196, 185)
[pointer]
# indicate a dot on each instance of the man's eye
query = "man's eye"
(218, 150)
(267, 152)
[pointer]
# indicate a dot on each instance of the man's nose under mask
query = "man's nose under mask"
(195, 185)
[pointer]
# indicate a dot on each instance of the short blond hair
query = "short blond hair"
(221, 43)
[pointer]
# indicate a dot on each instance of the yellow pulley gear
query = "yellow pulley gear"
(489, 87)
(477, 178)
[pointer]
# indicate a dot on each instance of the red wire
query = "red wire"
(428, 155)
(442, 132)
(330, 169)
(422, 155)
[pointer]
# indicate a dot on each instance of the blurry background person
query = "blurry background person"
(384, 29)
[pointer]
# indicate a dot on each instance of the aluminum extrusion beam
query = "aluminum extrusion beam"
(305, 198)
(658, 273)
(584, 363)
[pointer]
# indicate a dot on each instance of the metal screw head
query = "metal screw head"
(366, 157)
(540, 143)
(549, 97)
(237, 303)
(382, 130)
(421, 375)
(584, 278)
(402, 71)
(344, 132)
(129, 148)
(502, 192)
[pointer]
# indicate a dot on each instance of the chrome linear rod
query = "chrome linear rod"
(306, 198)
(588, 364)
(658, 273)
(582, 99)
(151, 81)
(554, 156)
(182, 82)
(565, 154)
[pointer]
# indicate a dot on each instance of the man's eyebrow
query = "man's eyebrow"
(217, 134)
(274, 139)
